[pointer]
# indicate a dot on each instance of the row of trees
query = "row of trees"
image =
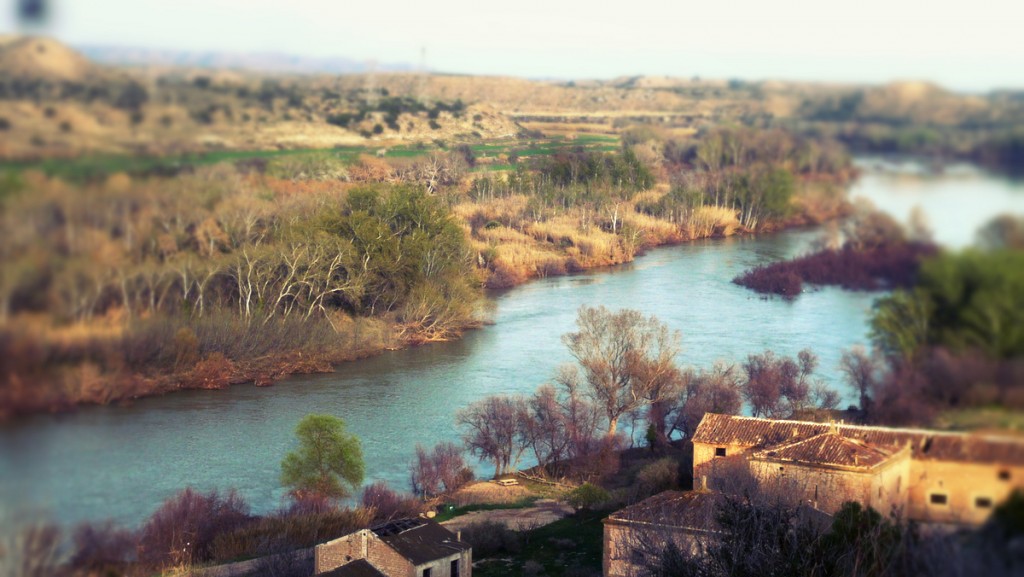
(626, 368)
(167, 248)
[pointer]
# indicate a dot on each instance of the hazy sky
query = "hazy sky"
(966, 44)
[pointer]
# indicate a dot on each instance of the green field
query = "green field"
(91, 168)
(570, 545)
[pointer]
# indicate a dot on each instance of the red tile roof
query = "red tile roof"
(717, 429)
(831, 450)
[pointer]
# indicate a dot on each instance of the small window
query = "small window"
(426, 572)
(719, 451)
(781, 469)
(983, 502)
(1004, 475)
(938, 499)
(454, 569)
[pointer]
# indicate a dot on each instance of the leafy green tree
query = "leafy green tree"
(899, 326)
(967, 301)
(328, 464)
(586, 497)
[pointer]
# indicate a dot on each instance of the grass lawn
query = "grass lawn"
(571, 546)
(447, 512)
(982, 418)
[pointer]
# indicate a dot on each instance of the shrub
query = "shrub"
(288, 530)
(387, 504)
(490, 538)
(183, 529)
(102, 547)
(587, 497)
(656, 477)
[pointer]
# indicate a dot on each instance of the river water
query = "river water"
(122, 462)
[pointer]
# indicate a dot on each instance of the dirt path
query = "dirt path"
(545, 511)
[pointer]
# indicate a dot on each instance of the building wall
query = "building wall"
(883, 488)
(963, 484)
(443, 567)
(338, 552)
(362, 545)
(704, 453)
(624, 546)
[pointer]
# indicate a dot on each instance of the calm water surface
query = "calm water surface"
(122, 462)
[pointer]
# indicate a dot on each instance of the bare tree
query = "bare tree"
(862, 373)
(439, 471)
(778, 386)
(626, 358)
(709, 391)
(493, 429)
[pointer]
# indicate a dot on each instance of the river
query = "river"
(122, 462)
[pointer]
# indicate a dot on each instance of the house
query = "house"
(931, 477)
(413, 547)
(685, 518)
(936, 478)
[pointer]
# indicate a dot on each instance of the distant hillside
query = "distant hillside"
(256, 62)
(44, 59)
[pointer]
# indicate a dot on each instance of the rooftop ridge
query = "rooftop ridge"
(928, 432)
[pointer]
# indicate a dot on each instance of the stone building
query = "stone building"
(414, 547)
(926, 476)
(936, 478)
(686, 518)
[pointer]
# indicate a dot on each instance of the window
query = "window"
(455, 569)
(426, 572)
(1004, 475)
(719, 451)
(983, 502)
(938, 499)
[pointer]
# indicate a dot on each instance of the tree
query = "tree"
(714, 391)
(328, 463)
(494, 429)
(778, 386)
(440, 471)
(586, 497)
(626, 358)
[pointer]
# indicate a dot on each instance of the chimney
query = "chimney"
(703, 482)
(458, 535)
(364, 548)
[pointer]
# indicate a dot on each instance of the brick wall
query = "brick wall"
(338, 552)
(387, 560)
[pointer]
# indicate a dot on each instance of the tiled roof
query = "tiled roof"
(717, 429)
(830, 449)
(423, 541)
(685, 509)
(357, 568)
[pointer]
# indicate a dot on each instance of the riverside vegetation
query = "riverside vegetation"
(128, 286)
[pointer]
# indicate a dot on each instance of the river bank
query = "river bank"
(320, 345)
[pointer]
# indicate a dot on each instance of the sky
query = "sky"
(966, 45)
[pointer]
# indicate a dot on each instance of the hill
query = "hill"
(30, 58)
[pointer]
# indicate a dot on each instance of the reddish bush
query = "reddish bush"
(388, 504)
(182, 530)
(213, 372)
(874, 268)
(102, 547)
